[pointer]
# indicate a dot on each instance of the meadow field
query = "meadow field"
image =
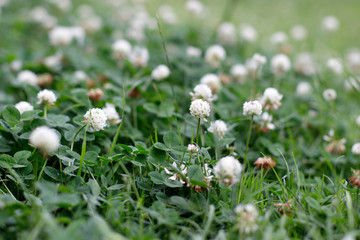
(179, 119)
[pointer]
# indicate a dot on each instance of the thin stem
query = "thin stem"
(248, 140)
(42, 169)
(45, 111)
(118, 130)
(197, 132)
(83, 149)
(77, 133)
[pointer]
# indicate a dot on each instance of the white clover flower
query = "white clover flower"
(193, 52)
(16, 65)
(278, 38)
(218, 128)
(212, 80)
(335, 66)
(195, 7)
(160, 72)
(121, 49)
(202, 91)
(214, 55)
(280, 64)
(28, 77)
(45, 139)
(80, 75)
(192, 148)
(226, 33)
(303, 89)
(265, 122)
(60, 36)
(239, 72)
(358, 121)
(38, 14)
(91, 23)
(167, 14)
(329, 94)
(97, 119)
(254, 64)
(304, 64)
(227, 170)
(176, 176)
(200, 109)
(271, 98)
(54, 62)
(23, 107)
(330, 23)
(298, 32)
(252, 108)
(353, 60)
(111, 113)
(246, 218)
(248, 33)
(356, 149)
(46, 96)
(78, 33)
(139, 56)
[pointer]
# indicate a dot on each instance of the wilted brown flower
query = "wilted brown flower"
(95, 94)
(265, 162)
(225, 78)
(44, 79)
(355, 178)
(285, 208)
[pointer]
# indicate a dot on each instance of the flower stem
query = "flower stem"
(118, 130)
(42, 169)
(248, 141)
(45, 111)
(77, 133)
(83, 149)
(197, 132)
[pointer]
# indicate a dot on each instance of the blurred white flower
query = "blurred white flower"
(80, 75)
(335, 66)
(54, 62)
(265, 122)
(121, 49)
(41, 16)
(192, 148)
(228, 170)
(111, 113)
(353, 60)
(298, 32)
(78, 33)
(28, 77)
(248, 33)
(97, 119)
(280, 64)
(193, 52)
(160, 72)
(202, 91)
(304, 64)
(139, 56)
(91, 23)
(226, 33)
(23, 107)
(16, 65)
(239, 73)
(196, 8)
(252, 108)
(330, 23)
(64, 5)
(212, 80)
(200, 109)
(46, 96)
(167, 14)
(246, 218)
(356, 149)
(44, 138)
(254, 64)
(329, 94)
(352, 83)
(278, 38)
(271, 99)
(303, 89)
(214, 55)
(60, 36)
(218, 128)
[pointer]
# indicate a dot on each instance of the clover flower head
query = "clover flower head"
(46, 96)
(97, 118)
(44, 138)
(252, 108)
(200, 109)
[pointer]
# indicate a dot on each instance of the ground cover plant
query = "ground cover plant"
(179, 119)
